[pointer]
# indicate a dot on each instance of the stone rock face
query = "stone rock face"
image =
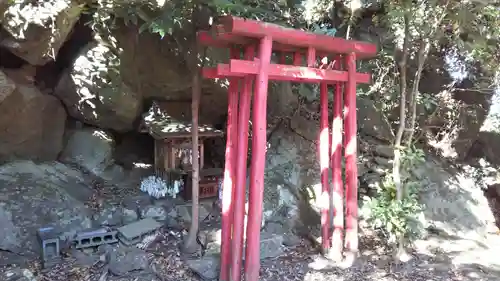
(207, 268)
(372, 122)
(285, 165)
(271, 245)
(110, 216)
(453, 202)
(94, 92)
(158, 70)
(459, 126)
(31, 123)
(37, 29)
(292, 165)
(89, 148)
(123, 260)
(34, 196)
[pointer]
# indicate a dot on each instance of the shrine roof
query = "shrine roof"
(160, 125)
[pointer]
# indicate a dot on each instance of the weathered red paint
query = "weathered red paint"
(297, 58)
(227, 40)
(294, 37)
(351, 168)
(324, 159)
(282, 57)
(311, 57)
(229, 173)
(236, 31)
(259, 126)
(336, 156)
(282, 72)
(241, 173)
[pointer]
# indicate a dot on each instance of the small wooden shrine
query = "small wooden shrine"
(173, 148)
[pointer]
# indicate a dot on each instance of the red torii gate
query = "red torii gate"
(235, 33)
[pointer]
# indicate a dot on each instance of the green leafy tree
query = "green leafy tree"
(419, 28)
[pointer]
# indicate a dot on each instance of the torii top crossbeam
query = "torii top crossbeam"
(234, 30)
(237, 31)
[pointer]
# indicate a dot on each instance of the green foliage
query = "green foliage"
(324, 29)
(397, 218)
(474, 29)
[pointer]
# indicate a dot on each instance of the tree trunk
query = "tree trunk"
(191, 244)
(421, 58)
(422, 55)
(396, 173)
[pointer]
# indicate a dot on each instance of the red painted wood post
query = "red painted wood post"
(338, 188)
(259, 144)
(241, 173)
(311, 57)
(297, 58)
(283, 58)
(229, 173)
(351, 235)
(324, 156)
(324, 159)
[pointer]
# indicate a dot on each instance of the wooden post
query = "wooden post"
(229, 174)
(338, 188)
(351, 168)
(241, 173)
(259, 126)
(324, 159)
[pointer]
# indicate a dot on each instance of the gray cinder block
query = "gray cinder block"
(133, 233)
(94, 238)
(50, 244)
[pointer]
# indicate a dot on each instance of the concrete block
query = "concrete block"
(94, 238)
(50, 244)
(133, 233)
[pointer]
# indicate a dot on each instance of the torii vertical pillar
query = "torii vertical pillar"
(336, 158)
(241, 173)
(255, 204)
(351, 168)
(229, 183)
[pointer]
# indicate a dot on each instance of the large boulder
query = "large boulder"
(34, 196)
(453, 128)
(37, 29)
(89, 148)
(453, 202)
(157, 68)
(31, 123)
(292, 175)
(94, 92)
(92, 150)
(291, 179)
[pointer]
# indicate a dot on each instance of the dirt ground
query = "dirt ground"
(301, 263)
